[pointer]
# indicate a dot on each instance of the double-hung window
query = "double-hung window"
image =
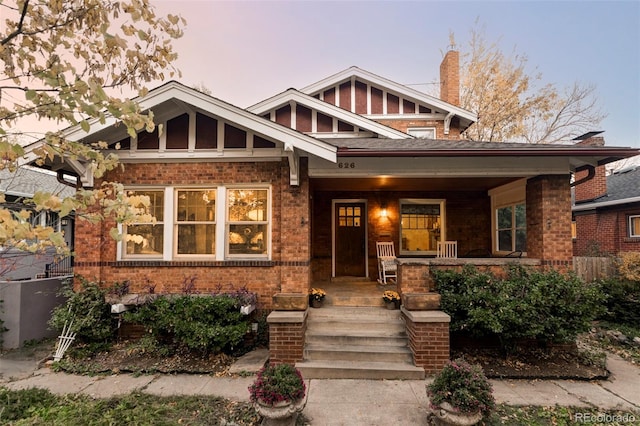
(146, 239)
(195, 221)
(247, 222)
(634, 226)
(511, 228)
(509, 217)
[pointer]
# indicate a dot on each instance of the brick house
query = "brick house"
(297, 189)
(606, 210)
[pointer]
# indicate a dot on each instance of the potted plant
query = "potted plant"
(278, 394)
(391, 299)
(460, 394)
(316, 297)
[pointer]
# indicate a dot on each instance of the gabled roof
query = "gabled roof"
(173, 91)
(466, 117)
(293, 95)
(623, 187)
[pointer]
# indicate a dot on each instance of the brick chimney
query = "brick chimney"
(450, 78)
(597, 186)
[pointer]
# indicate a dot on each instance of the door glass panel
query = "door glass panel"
(349, 216)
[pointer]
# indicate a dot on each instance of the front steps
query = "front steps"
(343, 342)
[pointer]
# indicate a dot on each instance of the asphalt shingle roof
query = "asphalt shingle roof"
(623, 185)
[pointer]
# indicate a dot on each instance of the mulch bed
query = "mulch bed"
(526, 362)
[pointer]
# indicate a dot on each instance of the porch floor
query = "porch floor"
(353, 291)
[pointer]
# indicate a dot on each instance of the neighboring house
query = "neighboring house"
(18, 187)
(297, 189)
(606, 212)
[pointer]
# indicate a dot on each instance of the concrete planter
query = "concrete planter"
(290, 301)
(421, 301)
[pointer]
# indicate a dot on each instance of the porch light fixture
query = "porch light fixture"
(383, 210)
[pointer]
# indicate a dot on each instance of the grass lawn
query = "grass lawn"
(40, 407)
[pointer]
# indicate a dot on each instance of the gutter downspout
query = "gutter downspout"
(591, 173)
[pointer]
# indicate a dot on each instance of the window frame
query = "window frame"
(412, 130)
(442, 223)
(514, 228)
(122, 248)
(630, 228)
(268, 222)
(170, 223)
(511, 194)
(175, 223)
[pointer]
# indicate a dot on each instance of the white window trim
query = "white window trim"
(222, 220)
(411, 131)
(121, 252)
(443, 222)
(174, 224)
(630, 227)
(511, 194)
(227, 223)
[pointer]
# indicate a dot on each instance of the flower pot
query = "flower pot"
(391, 305)
(445, 414)
(281, 414)
(316, 303)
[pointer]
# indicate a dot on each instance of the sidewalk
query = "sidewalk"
(347, 402)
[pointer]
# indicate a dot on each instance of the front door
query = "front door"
(350, 239)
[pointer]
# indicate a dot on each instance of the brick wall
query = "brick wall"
(286, 336)
(597, 186)
(450, 78)
(468, 222)
(549, 220)
(287, 270)
(403, 125)
(428, 333)
(605, 232)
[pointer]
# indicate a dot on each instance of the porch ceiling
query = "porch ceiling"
(385, 183)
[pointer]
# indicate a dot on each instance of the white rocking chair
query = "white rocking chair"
(387, 267)
(448, 249)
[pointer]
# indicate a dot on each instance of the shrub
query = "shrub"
(623, 301)
(279, 383)
(203, 323)
(629, 266)
(527, 304)
(86, 311)
(463, 386)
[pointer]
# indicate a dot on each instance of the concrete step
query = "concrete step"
(362, 353)
(365, 314)
(368, 338)
(357, 343)
(356, 326)
(359, 370)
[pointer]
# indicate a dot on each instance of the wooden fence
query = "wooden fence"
(594, 268)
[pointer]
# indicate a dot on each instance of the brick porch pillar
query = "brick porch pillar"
(286, 336)
(428, 338)
(549, 221)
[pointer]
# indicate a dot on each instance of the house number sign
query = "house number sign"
(345, 165)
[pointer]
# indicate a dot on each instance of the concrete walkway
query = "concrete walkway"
(345, 402)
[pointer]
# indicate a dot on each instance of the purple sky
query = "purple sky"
(247, 51)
